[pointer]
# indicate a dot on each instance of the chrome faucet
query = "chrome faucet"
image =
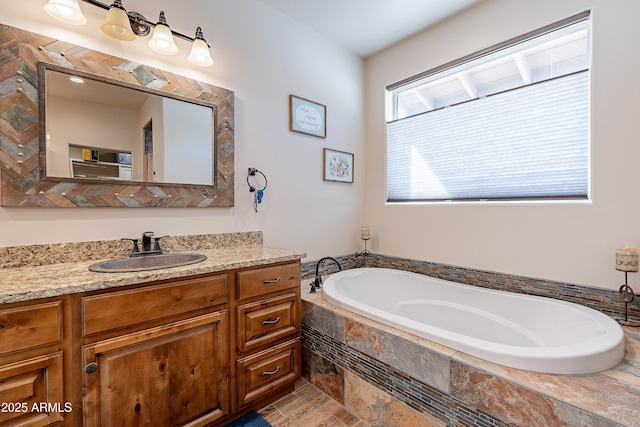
(317, 282)
(150, 246)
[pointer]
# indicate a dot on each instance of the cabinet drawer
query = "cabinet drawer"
(267, 321)
(262, 281)
(31, 326)
(262, 373)
(125, 308)
(31, 392)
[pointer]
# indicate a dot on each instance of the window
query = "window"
(508, 123)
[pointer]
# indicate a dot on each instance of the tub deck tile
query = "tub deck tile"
(603, 399)
(613, 394)
(431, 367)
(378, 409)
(325, 375)
(515, 403)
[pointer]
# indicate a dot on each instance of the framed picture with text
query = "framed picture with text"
(307, 117)
(338, 165)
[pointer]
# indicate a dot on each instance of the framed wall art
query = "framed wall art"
(338, 165)
(307, 117)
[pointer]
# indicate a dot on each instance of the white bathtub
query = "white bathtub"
(520, 331)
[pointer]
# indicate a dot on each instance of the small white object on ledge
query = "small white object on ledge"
(365, 233)
(627, 259)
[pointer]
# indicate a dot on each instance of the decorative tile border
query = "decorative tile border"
(410, 391)
(605, 300)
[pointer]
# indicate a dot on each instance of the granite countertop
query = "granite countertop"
(43, 281)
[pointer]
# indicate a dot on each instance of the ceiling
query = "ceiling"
(368, 26)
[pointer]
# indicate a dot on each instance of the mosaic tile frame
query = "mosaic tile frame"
(21, 157)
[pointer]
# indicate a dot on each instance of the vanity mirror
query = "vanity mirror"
(101, 129)
(53, 154)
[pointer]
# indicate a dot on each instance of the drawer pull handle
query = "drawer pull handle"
(271, 322)
(272, 372)
(91, 368)
(267, 282)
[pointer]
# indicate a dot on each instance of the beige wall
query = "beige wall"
(558, 241)
(67, 125)
(263, 56)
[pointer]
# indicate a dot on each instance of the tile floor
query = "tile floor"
(307, 406)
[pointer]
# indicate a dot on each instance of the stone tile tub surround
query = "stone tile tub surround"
(465, 391)
(60, 269)
(607, 301)
(442, 387)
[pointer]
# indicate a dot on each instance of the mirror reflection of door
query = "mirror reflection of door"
(148, 172)
(177, 147)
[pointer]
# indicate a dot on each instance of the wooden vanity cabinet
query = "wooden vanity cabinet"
(197, 351)
(157, 355)
(268, 344)
(33, 352)
(165, 376)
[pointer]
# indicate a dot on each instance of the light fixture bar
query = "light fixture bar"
(138, 17)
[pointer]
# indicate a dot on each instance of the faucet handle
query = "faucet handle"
(135, 248)
(157, 243)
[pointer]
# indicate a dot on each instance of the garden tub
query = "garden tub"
(516, 330)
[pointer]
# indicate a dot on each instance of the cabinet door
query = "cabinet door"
(165, 376)
(31, 392)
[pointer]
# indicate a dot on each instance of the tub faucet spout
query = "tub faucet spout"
(317, 282)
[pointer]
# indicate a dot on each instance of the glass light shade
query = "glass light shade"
(66, 11)
(117, 24)
(200, 54)
(162, 40)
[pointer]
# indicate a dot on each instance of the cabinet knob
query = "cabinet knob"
(91, 368)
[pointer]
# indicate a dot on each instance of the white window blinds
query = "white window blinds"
(531, 142)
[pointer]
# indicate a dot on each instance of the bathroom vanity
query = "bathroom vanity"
(195, 345)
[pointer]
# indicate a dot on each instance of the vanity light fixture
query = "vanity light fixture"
(117, 23)
(124, 25)
(200, 51)
(66, 11)
(162, 40)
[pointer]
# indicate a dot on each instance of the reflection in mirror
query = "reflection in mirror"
(96, 129)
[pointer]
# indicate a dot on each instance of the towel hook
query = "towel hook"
(259, 193)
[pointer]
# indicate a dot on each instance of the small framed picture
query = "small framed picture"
(338, 165)
(307, 117)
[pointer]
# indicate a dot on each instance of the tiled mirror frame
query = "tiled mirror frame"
(22, 159)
